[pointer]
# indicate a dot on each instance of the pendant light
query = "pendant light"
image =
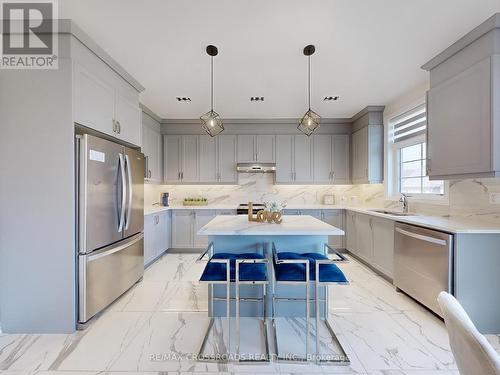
(310, 121)
(211, 121)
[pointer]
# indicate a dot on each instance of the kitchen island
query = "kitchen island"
(296, 233)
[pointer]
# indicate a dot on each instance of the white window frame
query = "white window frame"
(394, 175)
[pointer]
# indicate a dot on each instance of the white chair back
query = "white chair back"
(472, 351)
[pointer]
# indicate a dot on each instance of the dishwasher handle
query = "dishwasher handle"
(436, 241)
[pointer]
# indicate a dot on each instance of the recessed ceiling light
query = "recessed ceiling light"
(183, 99)
(331, 97)
(256, 98)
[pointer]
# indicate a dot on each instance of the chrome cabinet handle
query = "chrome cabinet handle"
(114, 126)
(119, 127)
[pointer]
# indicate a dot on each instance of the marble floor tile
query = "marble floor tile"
(430, 332)
(157, 328)
(381, 343)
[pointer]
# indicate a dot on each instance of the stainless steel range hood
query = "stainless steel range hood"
(256, 167)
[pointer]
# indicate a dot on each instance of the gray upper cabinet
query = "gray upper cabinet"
(368, 146)
(463, 115)
(323, 158)
(190, 159)
(264, 147)
(341, 157)
(368, 155)
(152, 148)
(102, 100)
(256, 148)
(208, 159)
(246, 148)
(200, 159)
(226, 159)
(181, 158)
(294, 159)
(284, 158)
(331, 159)
(302, 160)
(172, 158)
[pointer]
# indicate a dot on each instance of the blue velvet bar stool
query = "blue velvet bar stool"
(293, 268)
(236, 269)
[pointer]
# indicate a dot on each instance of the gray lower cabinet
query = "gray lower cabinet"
(333, 217)
(182, 228)
(225, 212)
(371, 239)
(156, 235)
(185, 225)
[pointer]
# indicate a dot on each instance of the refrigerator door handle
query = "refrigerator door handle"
(129, 191)
(124, 192)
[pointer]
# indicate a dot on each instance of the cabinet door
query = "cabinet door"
(94, 102)
(149, 238)
(208, 159)
(335, 218)
(182, 229)
(227, 158)
(246, 148)
(128, 117)
(303, 171)
(162, 233)
(364, 237)
(459, 123)
(360, 156)
(157, 155)
(172, 158)
(265, 148)
(323, 167)
(351, 232)
(146, 149)
(201, 217)
(190, 159)
(284, 158)
(341, 159)
(383, 245)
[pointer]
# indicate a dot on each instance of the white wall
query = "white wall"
(37, 200)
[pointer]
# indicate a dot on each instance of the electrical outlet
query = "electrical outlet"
(495, 198)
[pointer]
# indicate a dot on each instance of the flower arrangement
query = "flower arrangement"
(274, 206)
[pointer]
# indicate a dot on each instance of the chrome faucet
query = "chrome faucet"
(404, 202)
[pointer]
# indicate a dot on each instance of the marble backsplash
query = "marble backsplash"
(467, 198)
(260, 187)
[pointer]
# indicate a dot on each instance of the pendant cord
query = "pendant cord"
(212, 83)
(309, 79)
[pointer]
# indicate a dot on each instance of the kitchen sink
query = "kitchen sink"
(393, 213)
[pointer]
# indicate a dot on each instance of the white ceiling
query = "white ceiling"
(368, 52)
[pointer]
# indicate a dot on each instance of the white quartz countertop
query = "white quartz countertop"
(450, 224)
(292, 225)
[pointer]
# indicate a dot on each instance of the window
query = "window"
(412, 178)
(407, 138)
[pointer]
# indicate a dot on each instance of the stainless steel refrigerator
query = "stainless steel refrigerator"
(110, 222)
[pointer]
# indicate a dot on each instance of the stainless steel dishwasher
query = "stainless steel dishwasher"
(423, 263)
